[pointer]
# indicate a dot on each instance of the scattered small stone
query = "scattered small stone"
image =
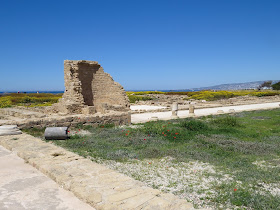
(220, 112)
(9, 130)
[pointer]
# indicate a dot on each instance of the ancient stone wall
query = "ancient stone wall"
(118, 118)
(88, 89)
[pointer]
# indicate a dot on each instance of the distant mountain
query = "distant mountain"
(232, 86)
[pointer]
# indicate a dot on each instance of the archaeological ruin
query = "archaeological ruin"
(91, 97)
(88, 89)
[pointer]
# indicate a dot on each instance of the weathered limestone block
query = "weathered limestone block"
(220, 112)
(191, 110)
(9, 130)
(175, 110)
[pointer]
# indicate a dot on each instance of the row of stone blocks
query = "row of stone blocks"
(95, 184)
(120, 118)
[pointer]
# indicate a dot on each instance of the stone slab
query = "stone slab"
(24, 187)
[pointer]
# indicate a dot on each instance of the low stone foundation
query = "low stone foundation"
(116, 118)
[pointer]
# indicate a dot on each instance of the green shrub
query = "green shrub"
(27, 99)
(211, 96)
(276, 86)
(153, 128)
(177, 93)
(109, 125)
(194, 125)
(217, 95)
(265, 93)
(227, 121)
(144, 92)
(5, 102)
(133, 98)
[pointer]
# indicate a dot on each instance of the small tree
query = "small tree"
(265, 84)
(276, 86)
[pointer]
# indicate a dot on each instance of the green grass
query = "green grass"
(230, 143)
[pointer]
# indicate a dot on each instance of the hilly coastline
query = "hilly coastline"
(231, 86)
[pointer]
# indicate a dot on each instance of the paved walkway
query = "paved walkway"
(24, 187)
(145, 117)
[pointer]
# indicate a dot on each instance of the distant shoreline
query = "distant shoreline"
(53, 92)
(57, 92)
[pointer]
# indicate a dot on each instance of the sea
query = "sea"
(57, 92)
(53, 92)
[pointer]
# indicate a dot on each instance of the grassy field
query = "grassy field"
(230, 161)
(204, 95)
(28, 99)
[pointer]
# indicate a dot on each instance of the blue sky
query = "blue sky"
(143, 44)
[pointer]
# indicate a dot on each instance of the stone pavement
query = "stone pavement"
(24, 187)
(94, 184)
(145, 117)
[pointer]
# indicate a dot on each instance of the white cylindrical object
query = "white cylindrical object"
(56, 133)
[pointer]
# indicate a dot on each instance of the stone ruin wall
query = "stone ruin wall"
(88, 89)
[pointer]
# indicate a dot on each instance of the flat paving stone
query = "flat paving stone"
(24, 187)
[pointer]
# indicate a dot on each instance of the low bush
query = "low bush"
(30, 99)
(144, 92)
(276, 86)
(227, 121)
(177, 93)
(27, 99)
(134, 98)
(265, 93)
(211, 96)
(5, 102)
(194, 125)
(217, 95)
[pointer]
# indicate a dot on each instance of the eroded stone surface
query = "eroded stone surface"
(112, 117)
(88, 89)
(95, 184)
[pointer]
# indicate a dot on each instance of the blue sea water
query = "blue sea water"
(53, 92)
(56, 92)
